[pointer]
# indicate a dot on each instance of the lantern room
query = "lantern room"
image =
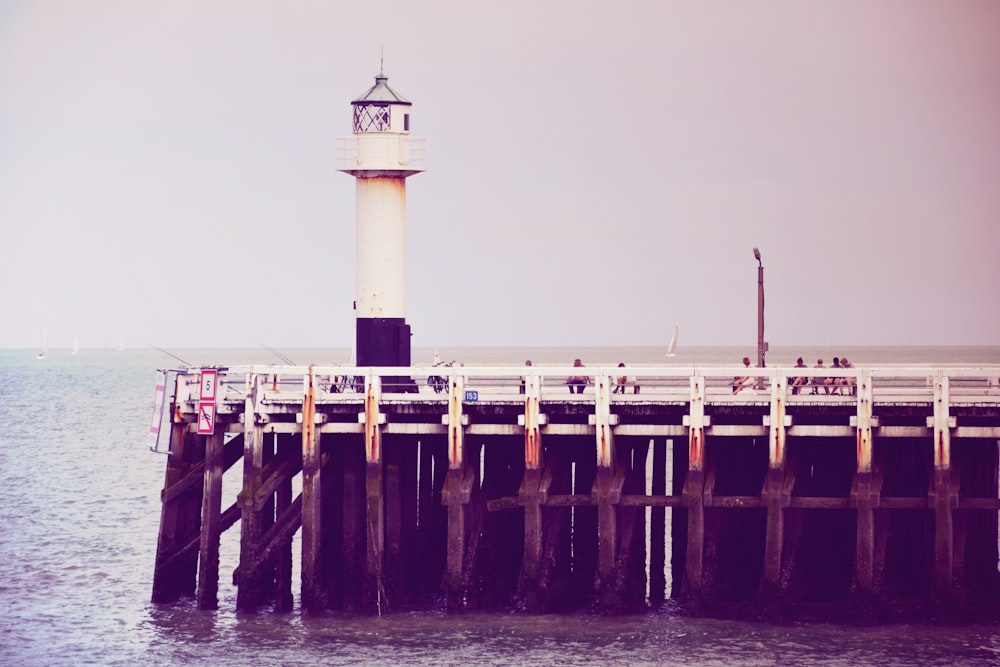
(381, 109)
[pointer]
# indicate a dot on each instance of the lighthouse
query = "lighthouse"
(381, 155)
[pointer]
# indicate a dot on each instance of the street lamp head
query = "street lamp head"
(756, 254)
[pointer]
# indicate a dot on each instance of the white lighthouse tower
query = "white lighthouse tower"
(380, 156)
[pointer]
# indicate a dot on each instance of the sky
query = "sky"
(597, 172)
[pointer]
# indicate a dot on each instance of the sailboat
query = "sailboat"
(672, 347)
(45, 346)
(76, 345)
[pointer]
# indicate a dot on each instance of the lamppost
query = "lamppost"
(761, 345)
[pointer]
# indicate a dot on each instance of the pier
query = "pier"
(874, 498)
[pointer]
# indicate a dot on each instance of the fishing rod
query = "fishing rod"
(167, 353)
(279, 355)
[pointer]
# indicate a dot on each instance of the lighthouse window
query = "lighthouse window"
(372, 118)
(406, 122)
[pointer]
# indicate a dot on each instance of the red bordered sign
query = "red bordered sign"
(206, 418)
(208, 377)
(206, 401)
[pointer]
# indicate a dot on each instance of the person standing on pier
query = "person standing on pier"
(622, 380)
(523, 378)
(577, 382)
(741, 381)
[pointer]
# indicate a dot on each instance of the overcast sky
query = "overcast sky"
(596, 171)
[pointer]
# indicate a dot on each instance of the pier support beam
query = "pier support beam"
(943, 499)
(532, 495)
(658, 526)
(373, 594)
(283, 508)
(211, 524)
(251, 527)
(865, 499)
(455, 495)
(314, 593)
(606, 495)
(693, 593)
(775, 498)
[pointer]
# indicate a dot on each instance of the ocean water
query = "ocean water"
(79, 514)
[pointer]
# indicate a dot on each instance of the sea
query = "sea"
(80, 510)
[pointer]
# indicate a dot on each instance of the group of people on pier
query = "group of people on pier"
(829, 385)
(577, 383)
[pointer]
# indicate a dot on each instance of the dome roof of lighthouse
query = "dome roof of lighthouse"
(380, 92)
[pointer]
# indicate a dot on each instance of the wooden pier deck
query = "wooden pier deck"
(506, 490)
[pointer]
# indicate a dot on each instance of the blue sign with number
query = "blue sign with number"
(471, 395)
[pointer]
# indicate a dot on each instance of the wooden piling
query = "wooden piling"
(606, 494)
(289, 451)
(658, 527)
(249, 591)
(943, 498)
(865, 499)
(353, 565)
(314, 587)
(694, 500)
(775, 498)
(455, 496)
(175, 571)
(211, 524)
(392, 465)
(632, 556)
(531, 495)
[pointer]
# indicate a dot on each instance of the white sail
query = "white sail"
(76, 345)
(45, 345)
(672, 347)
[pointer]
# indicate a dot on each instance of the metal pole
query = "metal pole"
(761, 345)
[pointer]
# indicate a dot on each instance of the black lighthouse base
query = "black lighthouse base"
(385, 341)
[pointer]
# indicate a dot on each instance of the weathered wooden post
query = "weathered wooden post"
(606, 494)
(865, 498)
(658, 526)
(314, 597)
(944, 498)
(775, 498)
(532, 495)
(251, 526)
(176, 568)
(694, 499)
(374, 590)
(455, 495)
(211, 524)
(288, 518)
